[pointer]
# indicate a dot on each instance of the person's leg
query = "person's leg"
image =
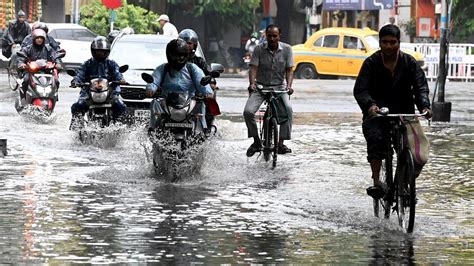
(377, 137)
(118, 107)
(156, 113)
(286, 127)
(251, 107)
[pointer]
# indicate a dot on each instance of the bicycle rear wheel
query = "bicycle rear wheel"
(406, 191)
(383, 205)
(275, 142)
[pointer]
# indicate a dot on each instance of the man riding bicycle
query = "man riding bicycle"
(388, 78)
(271, 65)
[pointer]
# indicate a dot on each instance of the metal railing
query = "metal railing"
(460, 60)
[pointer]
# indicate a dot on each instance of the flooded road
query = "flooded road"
(64, 202)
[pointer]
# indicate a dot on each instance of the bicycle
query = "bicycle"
(401, 188)
(14, 80)
(268, 126)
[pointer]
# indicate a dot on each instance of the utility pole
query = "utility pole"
(442, 109)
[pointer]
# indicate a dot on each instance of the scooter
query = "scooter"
(41, 86)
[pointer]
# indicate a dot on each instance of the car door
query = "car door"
(326, 51)
(353, 55)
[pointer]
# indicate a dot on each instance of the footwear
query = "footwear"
(282, 149)
(375, 192)
(255, 147)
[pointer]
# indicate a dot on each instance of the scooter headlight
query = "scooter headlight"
(47, 90)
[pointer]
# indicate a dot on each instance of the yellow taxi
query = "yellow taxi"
(337, 52)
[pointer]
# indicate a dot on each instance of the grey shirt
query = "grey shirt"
(271, 67)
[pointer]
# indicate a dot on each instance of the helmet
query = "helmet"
(177, 53)
(254, 35)
(40, 25)
(189, 35)
(112, 35)
(100, 43)
(38, 33)
(21, 13)
(127, 31)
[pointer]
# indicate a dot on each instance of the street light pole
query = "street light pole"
(442, 109)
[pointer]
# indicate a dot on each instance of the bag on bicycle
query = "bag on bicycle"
(279, 109)
(417, 141)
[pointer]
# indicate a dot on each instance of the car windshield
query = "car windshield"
(372, 41)
(139, 55)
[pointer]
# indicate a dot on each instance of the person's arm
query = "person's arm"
(157, 75)
(254, 62)
(197, 75)
(20, 61)
(362, 92)
(81, 73)
(420, 88)
(117, 76)
(289, 72)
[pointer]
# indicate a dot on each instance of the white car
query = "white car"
(75, 39)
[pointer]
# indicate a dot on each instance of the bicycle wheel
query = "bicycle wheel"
(274, 126)
(406, 193)
(267, 141)
(12, 75)
(383, 205)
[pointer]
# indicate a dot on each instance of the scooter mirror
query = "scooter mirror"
(60, 55)
(214, 74)
(123, 68)
(147, 78)
(71, 72)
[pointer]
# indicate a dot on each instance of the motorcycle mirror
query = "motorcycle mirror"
(123, 68)
(147, 78)
(60, 55)
(205, 80)
(217, 67)
(21, 54)
(71, 72)
(214, 74)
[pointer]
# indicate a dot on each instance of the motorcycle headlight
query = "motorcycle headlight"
(178, 114)
(99, 97)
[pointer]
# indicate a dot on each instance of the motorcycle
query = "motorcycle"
(179, 131)
(41, 91)
(100, 114)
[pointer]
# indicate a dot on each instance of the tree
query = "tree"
(222, 13)
(97, 18)
(462, 16)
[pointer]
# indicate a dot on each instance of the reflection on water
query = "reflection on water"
(64, 202)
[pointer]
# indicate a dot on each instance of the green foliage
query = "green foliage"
(462, 16)
(97, 18)
(223, 13)
(410, 27)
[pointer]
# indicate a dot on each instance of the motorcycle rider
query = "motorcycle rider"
(251, 43)
(49, 39)
(176, 75)
(17, 30)
(99, 66)
(37, 50)
(191, 38)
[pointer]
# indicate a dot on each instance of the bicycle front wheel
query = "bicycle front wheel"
(267, 141)
(274, 126)
(406, 191)
(12, 75)
(383, 205)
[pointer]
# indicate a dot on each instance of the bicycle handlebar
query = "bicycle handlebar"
(384, 112)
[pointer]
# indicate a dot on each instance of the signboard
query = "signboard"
(424, 27)
(357, 4)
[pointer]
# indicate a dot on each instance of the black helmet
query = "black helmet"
(100, 43)
(38, 33)
(40, 25)
(112, 35)
(177, 53)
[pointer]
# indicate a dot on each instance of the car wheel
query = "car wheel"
(306, 71)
